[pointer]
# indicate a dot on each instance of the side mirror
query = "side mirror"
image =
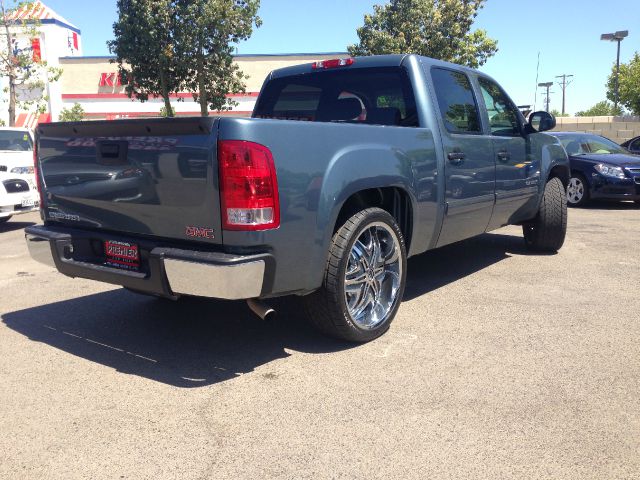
(542, 121)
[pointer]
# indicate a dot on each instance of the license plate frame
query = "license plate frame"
(123, 255)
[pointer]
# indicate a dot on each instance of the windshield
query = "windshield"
(581, 144)
(16, 141)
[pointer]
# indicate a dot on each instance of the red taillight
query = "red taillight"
(248, 186)
(36, 173)
(334, 63)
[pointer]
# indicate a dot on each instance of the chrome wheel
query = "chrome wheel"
(575, 191)
(373, 275)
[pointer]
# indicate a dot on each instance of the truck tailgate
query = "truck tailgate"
(152, 177)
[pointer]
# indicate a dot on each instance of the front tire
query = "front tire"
(364, 279)
(577, 191)
(546, 232)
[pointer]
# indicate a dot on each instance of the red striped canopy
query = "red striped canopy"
(36, 11)
(31, 120)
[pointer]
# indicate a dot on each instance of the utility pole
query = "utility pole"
(564, 84)
(546, 85)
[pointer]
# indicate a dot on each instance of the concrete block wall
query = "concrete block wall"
(618, 129)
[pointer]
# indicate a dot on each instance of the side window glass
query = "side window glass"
(635, 146)
(503, 117)
(457, 104)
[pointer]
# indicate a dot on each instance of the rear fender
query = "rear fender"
(352, 170)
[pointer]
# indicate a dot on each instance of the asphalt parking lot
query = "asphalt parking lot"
(500, 364)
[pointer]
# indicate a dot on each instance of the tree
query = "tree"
(600, 109)
(163, 46)
(23, 65)
(629, 84)
(145, 46)
(434, 28)
(74, 114)
(556, 113)
(209, 30)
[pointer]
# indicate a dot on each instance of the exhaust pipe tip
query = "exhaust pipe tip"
(261, 309)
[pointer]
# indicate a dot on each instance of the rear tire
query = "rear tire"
(546, 232)
(364, 279)
(5, 219)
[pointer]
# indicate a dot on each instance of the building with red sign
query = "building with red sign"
(94, 84)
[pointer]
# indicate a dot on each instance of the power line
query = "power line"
(546, 85)
(564, 84)
(535, 95)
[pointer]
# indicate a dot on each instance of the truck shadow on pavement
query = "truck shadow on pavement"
(189, 343)
(198, 342)
(436, 268)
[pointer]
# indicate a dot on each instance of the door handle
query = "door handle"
(456, 158)
(504, 156)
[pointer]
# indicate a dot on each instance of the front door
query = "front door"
(517, 176)
(469, 159)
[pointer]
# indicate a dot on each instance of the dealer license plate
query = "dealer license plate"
(122, 255)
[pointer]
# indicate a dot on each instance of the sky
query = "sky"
(566, 33)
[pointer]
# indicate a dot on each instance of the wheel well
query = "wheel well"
(394, 200)
(578, 172)
(560, 172)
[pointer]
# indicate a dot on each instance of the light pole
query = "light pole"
(547, 85)
(616, 37)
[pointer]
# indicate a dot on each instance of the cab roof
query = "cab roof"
(374, 61)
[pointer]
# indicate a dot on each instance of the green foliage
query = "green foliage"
(144, 46)
(206, 46)
(601, 109)
(26, 78)
(74, 114)
(166, 46)
(556, 113)
(434, 28)
(629, 84)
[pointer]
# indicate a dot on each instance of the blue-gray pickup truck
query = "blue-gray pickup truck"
(346, 168)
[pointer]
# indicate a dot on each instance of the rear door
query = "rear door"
(151, 177)
(516, 175)
(469, 159)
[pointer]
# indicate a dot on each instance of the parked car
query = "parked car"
(600, 169)
(347, 167)
(632, 145)
(18, 192)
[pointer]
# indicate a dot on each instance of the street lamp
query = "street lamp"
(547, 85)
(616, 37)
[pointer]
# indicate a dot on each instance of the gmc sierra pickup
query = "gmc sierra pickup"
(346, 168)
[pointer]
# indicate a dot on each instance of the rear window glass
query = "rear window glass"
(375, 96)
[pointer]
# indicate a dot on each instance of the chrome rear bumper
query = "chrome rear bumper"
(40, 249)
(232, 282)
(168, 272)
